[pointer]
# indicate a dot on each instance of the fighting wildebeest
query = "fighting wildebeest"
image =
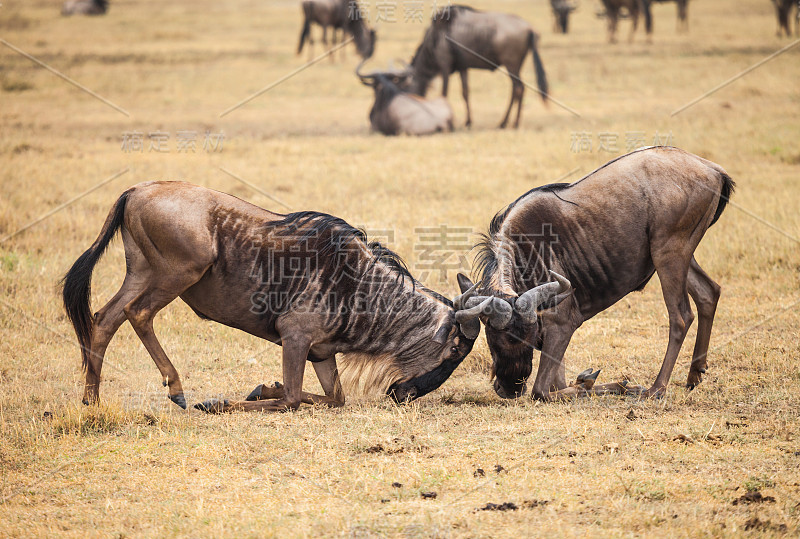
(462, 38)
(341, 15)
(601, 238)
(307, 281)
(561, 12)
(633, 7)
(397, 112)
(84, 7)
(683, 12)
(783, 9)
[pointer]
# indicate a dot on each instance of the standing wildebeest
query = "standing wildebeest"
(338, 14)
(461, 38)
(84, 7)
(606, 234)
(783, 9)
(561, 13)
(634, 7)
(307, 281)
(683, 13)
(397, 112)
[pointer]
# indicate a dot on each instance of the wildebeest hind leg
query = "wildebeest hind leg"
(673, 272)
(705, 293)
(106, 323)
(465, 94)
(142, 310)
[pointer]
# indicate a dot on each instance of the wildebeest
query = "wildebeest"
(397, 112)
(462, 38)
(683, 12)
(633, 7)
(561, 12)
(344, 15)
(307, 281)
(84, 7)
(601, 238)
(783, 9)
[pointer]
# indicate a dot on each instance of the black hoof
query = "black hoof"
(212, 406)
(85, 402)
(179, 400)
(255, 394)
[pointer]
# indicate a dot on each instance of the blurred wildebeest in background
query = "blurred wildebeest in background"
(683, 13)
(84, 7)
(783, 9)
(307, 281)
(462, 38)
(634, 8)
(561, 12)
(606, 234)
(398, 112)
(344, 15)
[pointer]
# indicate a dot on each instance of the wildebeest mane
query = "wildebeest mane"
(308, 225)
(486, 258)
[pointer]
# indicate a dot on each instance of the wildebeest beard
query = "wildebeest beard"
(512, 352)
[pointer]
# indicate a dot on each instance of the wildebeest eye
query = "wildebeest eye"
(454, 349)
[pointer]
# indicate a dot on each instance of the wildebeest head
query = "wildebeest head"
(454, 341)
(561, 11)
(512, 328)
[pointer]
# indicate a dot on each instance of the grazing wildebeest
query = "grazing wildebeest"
(561, 13)
(462, 38)
(84, 7)
(341, 15)
(601, 238)
(397, 112)
(783, 9)
(634, 7)
(307, 281)
(683, 13)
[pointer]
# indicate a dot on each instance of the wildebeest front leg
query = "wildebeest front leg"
(328, 376)
(551, 373)
(465, 94)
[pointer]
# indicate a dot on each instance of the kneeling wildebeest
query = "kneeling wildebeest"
(602, 238)
(338, 14)
(634, 7)
(397, 112)
(462, 38)
(84, 7)
(307, 281)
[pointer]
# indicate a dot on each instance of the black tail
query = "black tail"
(77, 282)
(308, 7)
(728, 186)
(541, 77)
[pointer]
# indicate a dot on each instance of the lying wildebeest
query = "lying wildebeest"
(462, 38)
(606, 234)
(341, 15)
(561, 12)
(783, 9)
(634, 7)
(84, 7)
(397, 112)
(683, 13)
(307, 281)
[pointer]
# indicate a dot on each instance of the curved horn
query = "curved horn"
(459, 301)
(364, 77)
(497, 310)
(527, 304)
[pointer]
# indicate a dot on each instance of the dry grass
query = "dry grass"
(608, 467)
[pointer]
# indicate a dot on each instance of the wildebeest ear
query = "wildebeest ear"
(464, 283)
(440, 337)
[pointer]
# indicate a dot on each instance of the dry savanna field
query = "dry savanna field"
(137, 465)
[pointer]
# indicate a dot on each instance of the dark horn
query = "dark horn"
(529, 302)
(460, 300)
(497, 310)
